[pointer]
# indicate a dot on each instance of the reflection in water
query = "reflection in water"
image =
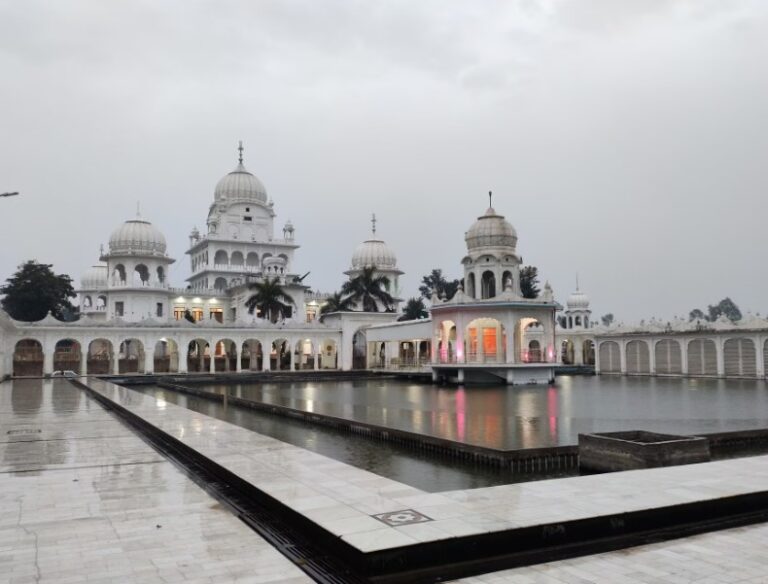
(426, 472)
(529, 416)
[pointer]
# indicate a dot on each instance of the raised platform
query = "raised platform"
(509, 373)
(389, 532)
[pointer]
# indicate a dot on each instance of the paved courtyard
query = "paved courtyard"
(83, 499)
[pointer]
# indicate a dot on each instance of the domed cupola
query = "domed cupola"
(240, 186)
(491, 230)
(374, 252)
(137, 237)
(578, 300)
(94, 278)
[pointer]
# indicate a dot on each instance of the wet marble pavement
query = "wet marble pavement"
(350, 503)
(84, 499)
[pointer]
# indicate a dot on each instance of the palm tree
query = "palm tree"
(414, 309)
(367, 288)
(269, 297)
(336, 302)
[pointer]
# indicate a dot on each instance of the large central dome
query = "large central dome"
(240, 186)
(491, 230)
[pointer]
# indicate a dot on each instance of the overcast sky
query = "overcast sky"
(625, 140)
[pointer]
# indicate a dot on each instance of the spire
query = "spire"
(373, 224)
(577, 281)
(240, 149)
(490, 199)
(138, 210)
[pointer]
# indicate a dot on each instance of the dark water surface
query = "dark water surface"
(498, 417)
(528, 416)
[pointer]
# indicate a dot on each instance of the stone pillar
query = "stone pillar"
(652, 355)
(212, 364)
(149, 361)
(623, 357)
(239, 361)
(759, 356)
(720, 352)
(83, 361)
(684, 356)
(578, 351)
(48, 360)
(416, 349)
(183, 357)
(266, 352)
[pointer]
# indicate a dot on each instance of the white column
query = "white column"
(760, 356)
(720, 352)
(652, 355)
(212, 364)
(239, 353)
(83, 360)
(48, 360)
(684, 355)
(183, 356)
(623, 357)
(266, 351)
(149, 360)
(292, 349)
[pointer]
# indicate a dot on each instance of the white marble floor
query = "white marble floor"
(722, 557)
(83, 499)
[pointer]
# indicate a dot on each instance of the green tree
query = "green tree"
(368, 289)
(272, 301)
(414, 309)
(607, 319)
(34, 291)
(529, 282)
(336, 302)
(726, 306)
(436, 282)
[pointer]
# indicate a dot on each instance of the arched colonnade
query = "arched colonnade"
(716, 355)
(130, 352)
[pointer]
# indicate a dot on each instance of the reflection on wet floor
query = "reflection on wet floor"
(84, 497)
(421, 470)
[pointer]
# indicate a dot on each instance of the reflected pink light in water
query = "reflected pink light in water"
(552, 411)
(461, 412)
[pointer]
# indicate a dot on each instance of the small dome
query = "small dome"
(94, 278)
(578, 301)
(137, 237)
(491, 230)
(374, 252)
(240, 186)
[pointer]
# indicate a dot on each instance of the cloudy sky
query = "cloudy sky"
(627, 141)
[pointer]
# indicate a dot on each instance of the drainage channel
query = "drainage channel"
(292, 540)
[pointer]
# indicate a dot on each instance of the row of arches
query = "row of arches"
(140, 276)
(739, 358)
(486, 286)
(568, 352)
(100, 357)
(485, 340)
(240, 260)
